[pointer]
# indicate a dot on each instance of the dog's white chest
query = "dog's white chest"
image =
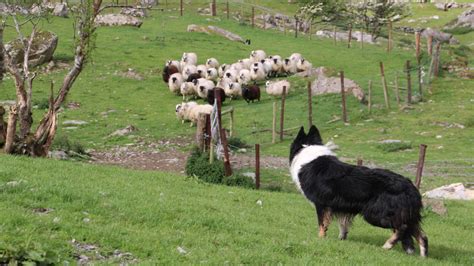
(306, 155)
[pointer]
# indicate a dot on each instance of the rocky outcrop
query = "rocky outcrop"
(134, 12)
(455, 191)
(117, 20)
(324, 85)
(439, 36)
(61, 10)
(466, 19)
(42, 50)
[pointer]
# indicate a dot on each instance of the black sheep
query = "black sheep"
(168, 71)
(251, 93)
(211, 93)
(193, 77)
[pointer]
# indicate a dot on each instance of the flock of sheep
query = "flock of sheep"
(187, 78)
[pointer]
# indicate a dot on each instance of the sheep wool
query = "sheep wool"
(202, 86)
(188, 70)
(187, 89)
(258, 55)
(276, 88)
(201, 70)
(212, 63)
(244, 76)
(174, 82)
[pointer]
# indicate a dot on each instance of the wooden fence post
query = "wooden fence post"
(430, 45)
(384, 84)
(310, 105)
(369, 101)
(201, 131)
(438, 55)
(418, 45)
(214, 8)
(397, 90)
(350, 36)
(181, 7)
(282, 114)
(420, 165)
(343, 97)
(274, 121)
(389, 44)
(408, 82)
(228, 9)
(228, 169)
(253, 17)
(207, 143)
(296, 27)
(257, 166)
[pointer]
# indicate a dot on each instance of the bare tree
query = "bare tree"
(37, 143)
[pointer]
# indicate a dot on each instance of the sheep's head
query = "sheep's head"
(178, 107)
(195, 81)
(268, 83)
(287, 61)
(202, 88)
(174, 79)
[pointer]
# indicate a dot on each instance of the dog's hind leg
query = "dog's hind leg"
(324, 219)
(345, 222)
(392, 240)
(422, 240)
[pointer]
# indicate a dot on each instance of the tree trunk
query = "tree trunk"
(11, 129)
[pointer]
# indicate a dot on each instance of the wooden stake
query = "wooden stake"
(370, 97)
(296, 27)
(257, 166)
(408, 82)
(418, 45)
(282, 114)
(350, 37)
(214, 8)
(437, 57)
(310, 105)
(207, 142)
(274, 121)
(389, 44)
(430, 45)
(397, 90)
(343, 97)
(181, 7)
(11, 129)
(253, 17)
(217, 96)
(384, 84)
(420, 165)
(228, 10)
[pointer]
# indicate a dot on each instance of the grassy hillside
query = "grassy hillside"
(46, 204)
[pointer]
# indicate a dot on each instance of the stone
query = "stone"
(437, 35)
(125, 131)
(324, 85)
(117, 20)
(455, 191)
(466, 19)
(74, 123)
(42, 50)
(389, 141)
(60, 10)
(435, 205)
(134, 12)
(58, 155)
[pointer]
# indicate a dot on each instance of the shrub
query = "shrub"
(237, 143)
(63, 143)
(42, 104)
(198, 165)
(459, 30)
(463, 51)
(394, 146)
(239, 181)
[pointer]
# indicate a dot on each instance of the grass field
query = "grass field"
(151, 214)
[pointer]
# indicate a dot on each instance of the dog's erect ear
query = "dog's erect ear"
(314, 136)
(301, 135)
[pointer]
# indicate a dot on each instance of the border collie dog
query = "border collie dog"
(383, 198)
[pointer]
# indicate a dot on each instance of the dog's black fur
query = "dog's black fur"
(382, 197)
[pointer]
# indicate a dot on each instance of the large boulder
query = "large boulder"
(60, 10)
(466, 19)
(117, 20)
(455, 191)
(42, 50)
(134, 12)
(438, 36)
(324, 84)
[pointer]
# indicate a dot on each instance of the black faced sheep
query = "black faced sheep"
(168, 71)
(211, 95)
(251, 93)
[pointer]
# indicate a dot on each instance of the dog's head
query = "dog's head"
(303, 140)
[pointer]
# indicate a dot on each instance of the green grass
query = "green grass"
(151, 214)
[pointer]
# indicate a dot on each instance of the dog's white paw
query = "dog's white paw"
(387, 246)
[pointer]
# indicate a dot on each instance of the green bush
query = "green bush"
(394, 146)
(236, 143)
(64, 144)
(238, 180)
(42, 104)
(198, 165)
(459, 30)
(463, 51)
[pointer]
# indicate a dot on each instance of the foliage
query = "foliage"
(26, 254)
(459, 30)
(239, 180)
(394, 146)
(198, 165)
(323, 10)
(236, 143)
(63, 143)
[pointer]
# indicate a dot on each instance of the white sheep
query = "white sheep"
(295, 57)
(289, 66)
(212, 63)
(277, 65)
(303, 65)
(189, 59)
(237, 66)
(267, 66)
(257, 73)
(258, 55)
(183, 110)
(188, 70)
(201, 70)
(244, 77)
(233, 90)
(187, 89)
(175, 81)
(246, 63)
(223, 82)
(222, 69)
(231, 74)
(212, 74)
(276, 88)
(202, 86)
(199, 109)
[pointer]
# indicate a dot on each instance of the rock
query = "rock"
(74, 123)
(36, 10)
(437, 35)
(7, 103)
(441, 6)
(455, 191)
(466, 19)
(324, 85)
(131, 74)
(125, 131)
(134, 12)
(43, 47)
(117, 20)
(61, 10)
(196, 28)
(435, 205)
(181, 250)
(388, 141)
(149, 3)
(249, 174)
(58, 155)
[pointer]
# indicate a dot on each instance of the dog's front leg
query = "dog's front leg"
(324, 219)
